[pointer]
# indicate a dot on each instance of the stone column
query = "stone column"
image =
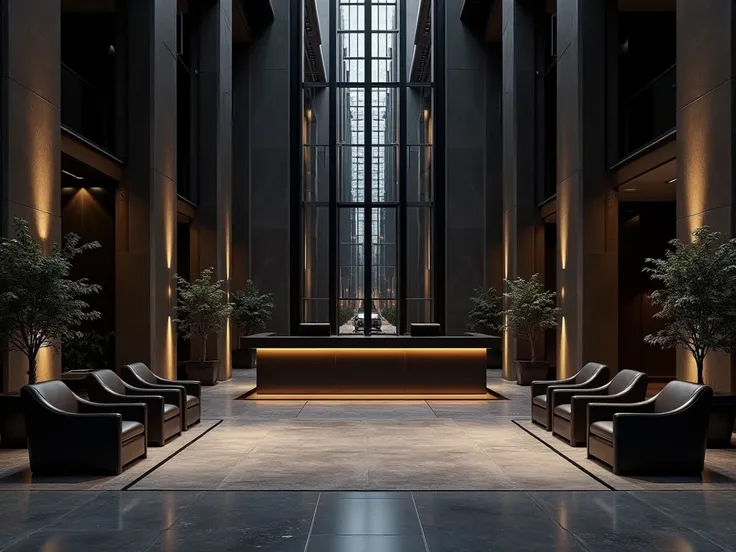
(465, 183)
(518, 107)
(240, 270)
(706, 146)
(270, 164)
(30, 172)
(146, 209)
(215, 152)
(587, 208)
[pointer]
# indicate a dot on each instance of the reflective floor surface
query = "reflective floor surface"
(60, 521)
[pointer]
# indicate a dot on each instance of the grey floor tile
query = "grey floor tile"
(127, 511)
(82, 541)
(369, 516)
(710, 514)
(366, 543)
(276, 513)
(187, 539)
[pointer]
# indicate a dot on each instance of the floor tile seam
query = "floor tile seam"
(311, 525)
(167, 459)
(232, 470)
(419, 521)
(510, 481)
(571, 461)
(665, 513)
(556, 522)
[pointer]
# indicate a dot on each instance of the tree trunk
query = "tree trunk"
(700, 362)
(534, 353)
(204, 348)
(32, 366)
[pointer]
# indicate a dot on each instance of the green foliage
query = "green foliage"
(39, 304)
(486, 311)
(531, 310)
(88, 351)
(201, 308)
(390, 314)
(346, 314)
(698, 299)
(251, 309)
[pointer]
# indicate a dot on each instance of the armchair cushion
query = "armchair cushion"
(132, 429)
(604, 430)
(170, 411)
(564, 410)
(540, 400)
(192, 401)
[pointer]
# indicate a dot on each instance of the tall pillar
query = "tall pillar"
(146, 209)
(494, 170)
(706, 146)
(30, 171)
(465, 185)
(519, 202)
(215, 151)
(240, 270)
(587, 209)
(270, 164)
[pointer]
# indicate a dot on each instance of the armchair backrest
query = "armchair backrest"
(623, 380)
(588, 371)
(675, 394)
(56, 393)
(109, 379)
(142, 371)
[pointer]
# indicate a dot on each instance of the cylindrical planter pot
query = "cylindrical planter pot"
(12, 421)
(528, 371)
(203, 371)
(244, 358)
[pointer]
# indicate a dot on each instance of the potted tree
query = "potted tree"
(697, 304)
(486, 318)
(251, 311)
(40, 306)
(486, 310)
(530, 312)
(201, 311)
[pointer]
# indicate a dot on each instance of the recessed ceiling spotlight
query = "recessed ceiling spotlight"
(671, 180)
(630, 189)
(72, 175)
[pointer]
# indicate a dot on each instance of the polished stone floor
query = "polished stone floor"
(358, 476)
(509, 521)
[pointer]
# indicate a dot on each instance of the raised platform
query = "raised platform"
(371, 365)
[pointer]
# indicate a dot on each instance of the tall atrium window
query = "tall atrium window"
(366, 183)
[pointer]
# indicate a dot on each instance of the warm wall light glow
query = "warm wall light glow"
(506, 242)
(563, 352)
(44, 178)
(45, 364)
(170, 368)
(694, 168)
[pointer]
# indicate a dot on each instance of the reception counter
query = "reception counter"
(371, 365)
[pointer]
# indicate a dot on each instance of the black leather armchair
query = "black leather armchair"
(665, 435)
(164, 405)
(570, 406)
(67, 434)
(592, 375)
(139, 375)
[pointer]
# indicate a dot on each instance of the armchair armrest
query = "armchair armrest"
(134, 412)
(192, 387)
(540, 387)
(600, 411)
(565, 395)
(168, 395)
